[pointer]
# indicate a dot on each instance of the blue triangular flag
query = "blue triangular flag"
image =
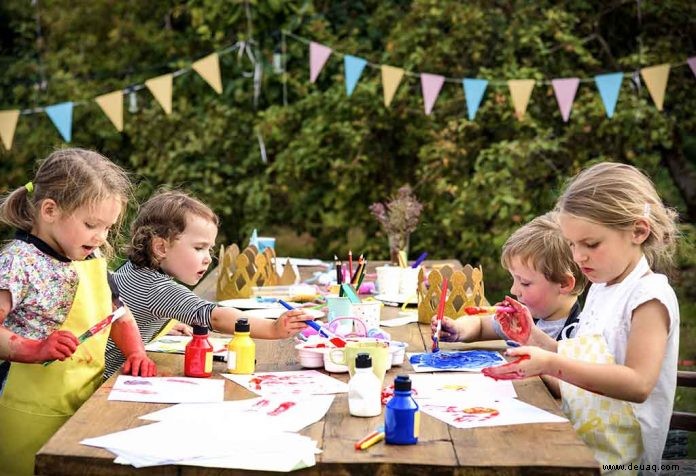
(61, 116)
(254, 240)
(609, 86)
(473, 92)
(353, 68)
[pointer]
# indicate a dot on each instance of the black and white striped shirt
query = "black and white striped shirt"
(154, 298)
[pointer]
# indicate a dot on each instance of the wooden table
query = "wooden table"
(543, 448)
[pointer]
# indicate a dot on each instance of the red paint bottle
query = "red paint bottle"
(198, 357)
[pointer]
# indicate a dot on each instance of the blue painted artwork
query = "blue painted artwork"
(465, 360)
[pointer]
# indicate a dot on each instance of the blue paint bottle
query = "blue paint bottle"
(402, 417)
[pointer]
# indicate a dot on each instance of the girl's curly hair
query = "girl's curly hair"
(163, 215)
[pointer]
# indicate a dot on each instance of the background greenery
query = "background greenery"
(330, 156)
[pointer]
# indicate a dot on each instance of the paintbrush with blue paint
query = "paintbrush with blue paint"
(440, 315)
(333, 338)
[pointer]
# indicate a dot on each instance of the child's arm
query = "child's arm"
(58, 346)
(126, 336)
(632, 381)
(465, 329)
(288, 324)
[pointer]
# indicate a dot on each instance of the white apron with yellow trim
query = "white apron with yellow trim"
(38, 399)
(607, 425)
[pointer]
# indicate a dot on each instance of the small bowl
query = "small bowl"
(397, 351)
(310, 357)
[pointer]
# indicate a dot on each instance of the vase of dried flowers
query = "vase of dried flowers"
(399, 217)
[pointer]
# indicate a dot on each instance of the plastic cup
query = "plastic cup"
(388, 280)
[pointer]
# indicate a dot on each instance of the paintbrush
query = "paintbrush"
(333, 338)
(487, 309)
(97, 328)
(440, 314)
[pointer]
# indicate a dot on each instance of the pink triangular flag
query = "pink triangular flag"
(565, 90)
(431, 85)
(692, 64)
(318, 54)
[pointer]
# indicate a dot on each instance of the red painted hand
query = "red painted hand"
(517, 325)
(139, 364)
(58, 346)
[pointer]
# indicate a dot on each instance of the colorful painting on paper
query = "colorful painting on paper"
(480, 412)
(458, 361)
(457, 386)
(167, 389)
(307, 382)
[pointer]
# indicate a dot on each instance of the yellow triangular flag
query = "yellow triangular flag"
(8, 123)
(112, 105)
(391, 77)
(161, 88)
(209, 69)
(520, 90)
(655, 78)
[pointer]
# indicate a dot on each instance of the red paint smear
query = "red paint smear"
(503, 372)
(281, 408)
(515, 328)
(269, 380)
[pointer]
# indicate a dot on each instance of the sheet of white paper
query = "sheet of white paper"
(301, 261)
(481, 412)
(208, 444)
(455, 361)
(177, 344)
(400, 321)
(167, 389)
(280, 413)
(295, 382)
(452, 386)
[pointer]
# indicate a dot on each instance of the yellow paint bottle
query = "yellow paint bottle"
(241, 351)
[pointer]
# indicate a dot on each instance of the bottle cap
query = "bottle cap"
(200, 330)
(402, 382)
(363, 361)
(242, 325)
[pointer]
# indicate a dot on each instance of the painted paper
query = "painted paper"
(451, 386)
(167, 389)
(457, 361)
(296, 382)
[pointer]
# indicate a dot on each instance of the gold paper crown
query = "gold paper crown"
(239, 272)
(465, 288)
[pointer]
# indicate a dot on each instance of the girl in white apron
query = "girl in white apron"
(618, 376)
(53, 286)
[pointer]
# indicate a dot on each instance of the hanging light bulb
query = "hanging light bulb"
(132, 102)
(277, 61)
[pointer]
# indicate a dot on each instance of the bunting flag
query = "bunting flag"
(431, 84)
(692, 64)
(8, 124)
(473, 93)
(655, 78)
(161, 88)
(609, 86)
(112, 105)
(61, 116)
(391, 78)
(318, 54)
(353, 68)
(520, 91)
(565, 89)
(209, 69)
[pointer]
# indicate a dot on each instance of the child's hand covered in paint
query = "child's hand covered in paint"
(58, 346)
(291, 322)
(527, 362)
(516, 325)
(448, 330)
(139, 364)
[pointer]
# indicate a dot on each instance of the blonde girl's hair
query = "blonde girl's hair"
(72, 178)
(616, 195)
(163, 215)
(541, 245)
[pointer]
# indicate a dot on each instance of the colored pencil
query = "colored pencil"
(350, 262)
(339, 270)
(420, 260)
(375, 439)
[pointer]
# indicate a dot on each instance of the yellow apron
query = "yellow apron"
(608, 426)
(37, 400)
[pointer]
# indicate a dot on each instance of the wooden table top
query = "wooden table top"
(548, 448)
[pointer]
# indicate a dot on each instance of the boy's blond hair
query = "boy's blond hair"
(541, 245)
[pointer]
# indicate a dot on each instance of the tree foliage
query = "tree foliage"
(331, 156)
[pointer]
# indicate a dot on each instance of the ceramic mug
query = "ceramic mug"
(388, 280)
(378, 350)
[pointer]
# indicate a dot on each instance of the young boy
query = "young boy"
(545, 279)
